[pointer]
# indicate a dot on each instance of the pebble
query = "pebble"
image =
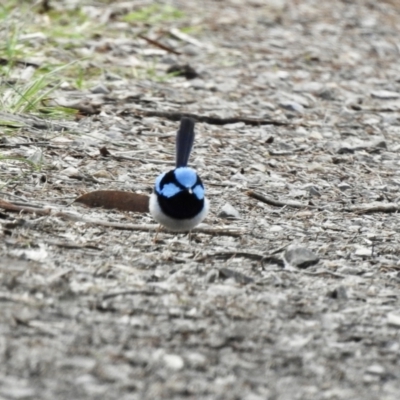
(173, 361)
(228, 211)
(300, 257)
(312, 190)
(393, 319)
(385, 94)
(36, 157)
(292, 106)
(102, 173)
(375, 369)
(99, 89)
(327, 94)
(343, 186)
(71, 172)
(212, 276)
(196, 360)
(310, 87)
(362, 251)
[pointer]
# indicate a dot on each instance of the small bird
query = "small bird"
(178, 201)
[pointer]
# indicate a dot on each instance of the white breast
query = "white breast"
(176, 224)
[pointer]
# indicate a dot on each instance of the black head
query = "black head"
(180, 193)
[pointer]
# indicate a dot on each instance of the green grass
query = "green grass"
(64, 37)
(31, 96)
(154, 13)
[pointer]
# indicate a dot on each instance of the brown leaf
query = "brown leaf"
(123, 201)
(5, 205)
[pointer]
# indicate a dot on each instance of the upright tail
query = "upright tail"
(184, 141)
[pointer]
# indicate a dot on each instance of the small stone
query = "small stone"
(259, 167)
(309, 87)
(36, 157)
(300, 257)
(297, 193)
(363, 251)
(292, 106)
(273, 163)
(275, 228)
(196, 360)
(327, 94)
(71, 172)
(312, 190)
(282, 75)
(316, 167)
(102, 173)
(212, 276)
(235, 125)
(376, 369)
(343, 186)
(228, 211)
(173, 361)
(227, 273)
(99, 89)
(393, 319)
(316, 135)
(385, 94)
(112, 77)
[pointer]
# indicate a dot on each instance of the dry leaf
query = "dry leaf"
(116, 199)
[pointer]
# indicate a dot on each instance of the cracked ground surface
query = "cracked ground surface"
(92, 312)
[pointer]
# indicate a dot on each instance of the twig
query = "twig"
(115, 225)
(277, 203)
(244, 254)
(14, 145)
(122, 226)
(132, 292)
(15, 298)
(238, 276)
(72, 245)
(5, 61)
(177, 116)
(375, 208)
(159, 45)
(186, 38)
(264, 258)
(32, 210)
(219, 231)
(324, 272)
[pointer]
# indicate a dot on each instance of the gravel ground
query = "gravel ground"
(298, 105)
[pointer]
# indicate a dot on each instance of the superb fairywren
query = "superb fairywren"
(178, 200)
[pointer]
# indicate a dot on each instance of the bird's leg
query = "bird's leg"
(157, 232)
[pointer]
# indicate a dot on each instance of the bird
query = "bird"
(178, 199)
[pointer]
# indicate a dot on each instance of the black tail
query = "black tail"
(184, 141)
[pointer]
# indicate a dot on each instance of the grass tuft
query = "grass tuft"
(153, 14)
